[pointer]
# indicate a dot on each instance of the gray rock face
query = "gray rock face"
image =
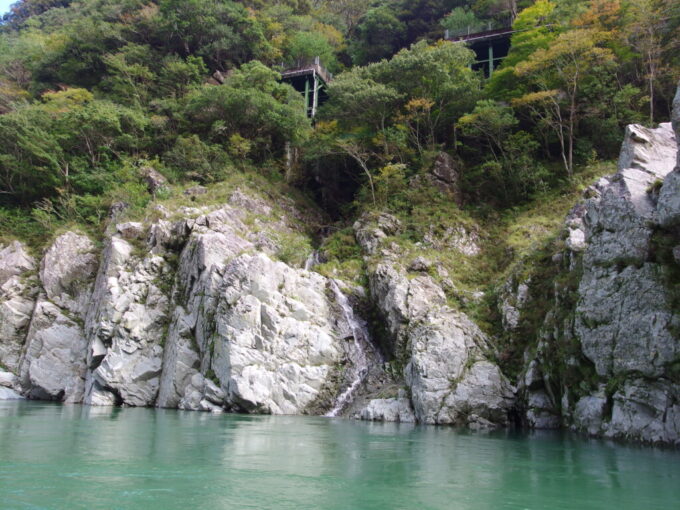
(450, 380)
(464, 241)
(200, 318)
(513, 296)
(668, 207)
(646, 411)
(624, 319)
(9, 394)
(14, 261)
(155, 181)
(589, 413)
(447, 371)
(67, 269)
(621, 333)
(128, 317)
(447, 176)
(274, 345)
(249, 333)
(8, 380)
(370, 232)
(390, 409)
(53, 365)
(17, 300)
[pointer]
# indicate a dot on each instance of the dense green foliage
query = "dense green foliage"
(91, 90)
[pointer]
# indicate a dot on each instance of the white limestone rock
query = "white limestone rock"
(646, 411)
(14, 261)
(9, 394)
(66, 271)
(389, 410)
(128, 315)
(54, 363)
(274, 346)
(17, 300)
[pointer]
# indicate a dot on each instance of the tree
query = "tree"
(490, 122)
(558, 73)
(351, 12)
(253, 103)
(646, 33)
(533, 29)
(438, 73)
(461, 21)
(305, 46)
(379, 34)
(359, 100)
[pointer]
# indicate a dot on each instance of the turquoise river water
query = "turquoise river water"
(71, 457)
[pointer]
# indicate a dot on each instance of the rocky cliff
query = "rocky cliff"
(195, 308)
(604, 359)
(192, 313)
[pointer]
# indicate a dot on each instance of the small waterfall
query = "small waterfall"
(314, 259)
(361, 342)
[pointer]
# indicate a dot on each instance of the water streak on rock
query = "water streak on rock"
(361, 342)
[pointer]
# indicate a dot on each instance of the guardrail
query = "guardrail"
(304, 66)
(477, 30)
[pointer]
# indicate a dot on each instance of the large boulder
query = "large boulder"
(451, 380)
(397, 410)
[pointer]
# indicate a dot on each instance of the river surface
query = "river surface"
(68, 457)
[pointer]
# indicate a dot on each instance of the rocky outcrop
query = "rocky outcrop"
(155, 181)
(53, 360)
(606, 361)
(18, 290)
(397, 410)
(53, 364)
(193, 314)
(446, 176)
(446, 356)
(126, 324)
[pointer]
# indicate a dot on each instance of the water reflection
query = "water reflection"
(55, 456)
